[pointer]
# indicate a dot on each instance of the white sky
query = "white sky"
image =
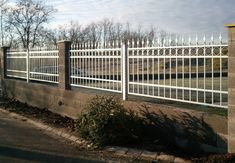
(179, 16)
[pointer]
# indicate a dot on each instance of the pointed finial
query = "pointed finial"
(212, 38)
(137, 42)
(220, 38)
(72, 46)
(142, 43)
(182, 40)
(117, 41)
(147, 42)
(113, 43)
(128, 43)
(170, 40)
(164, 41)
(158, 41)
(133, 42)
(204, 39)
(105, 44)
(88, 44)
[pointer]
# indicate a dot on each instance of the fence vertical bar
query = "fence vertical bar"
(27, 65)
(125, 72)
(231, 88)
(221, 74)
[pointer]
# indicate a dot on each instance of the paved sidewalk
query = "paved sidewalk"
(123, 152)
(22, 142)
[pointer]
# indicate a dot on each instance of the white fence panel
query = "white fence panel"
(39, 64)
(16, 63)
(44, 65)
(96, 67)
(180, 72)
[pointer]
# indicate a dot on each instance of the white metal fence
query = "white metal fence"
(185, 71)
(93, 66)
(179, 70)
(39, 64)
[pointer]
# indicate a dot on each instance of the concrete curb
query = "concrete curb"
(120, 151)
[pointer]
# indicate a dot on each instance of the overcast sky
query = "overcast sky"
(179, 16)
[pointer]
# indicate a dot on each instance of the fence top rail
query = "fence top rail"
(36, 49)
(44, 52)
(12, 51)
(34, 54)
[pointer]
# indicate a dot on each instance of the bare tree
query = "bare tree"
(2, 12)
(102, 32)
(93, 33)
(74, 32)
(27, 18)
(10, 39)
(50, 37)
(62, 32)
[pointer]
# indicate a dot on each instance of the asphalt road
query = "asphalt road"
(21, 142)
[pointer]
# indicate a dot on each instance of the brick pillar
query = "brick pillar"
(64, 68)
(4, 62)
(231, 88)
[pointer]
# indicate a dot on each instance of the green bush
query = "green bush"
(105, 121)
